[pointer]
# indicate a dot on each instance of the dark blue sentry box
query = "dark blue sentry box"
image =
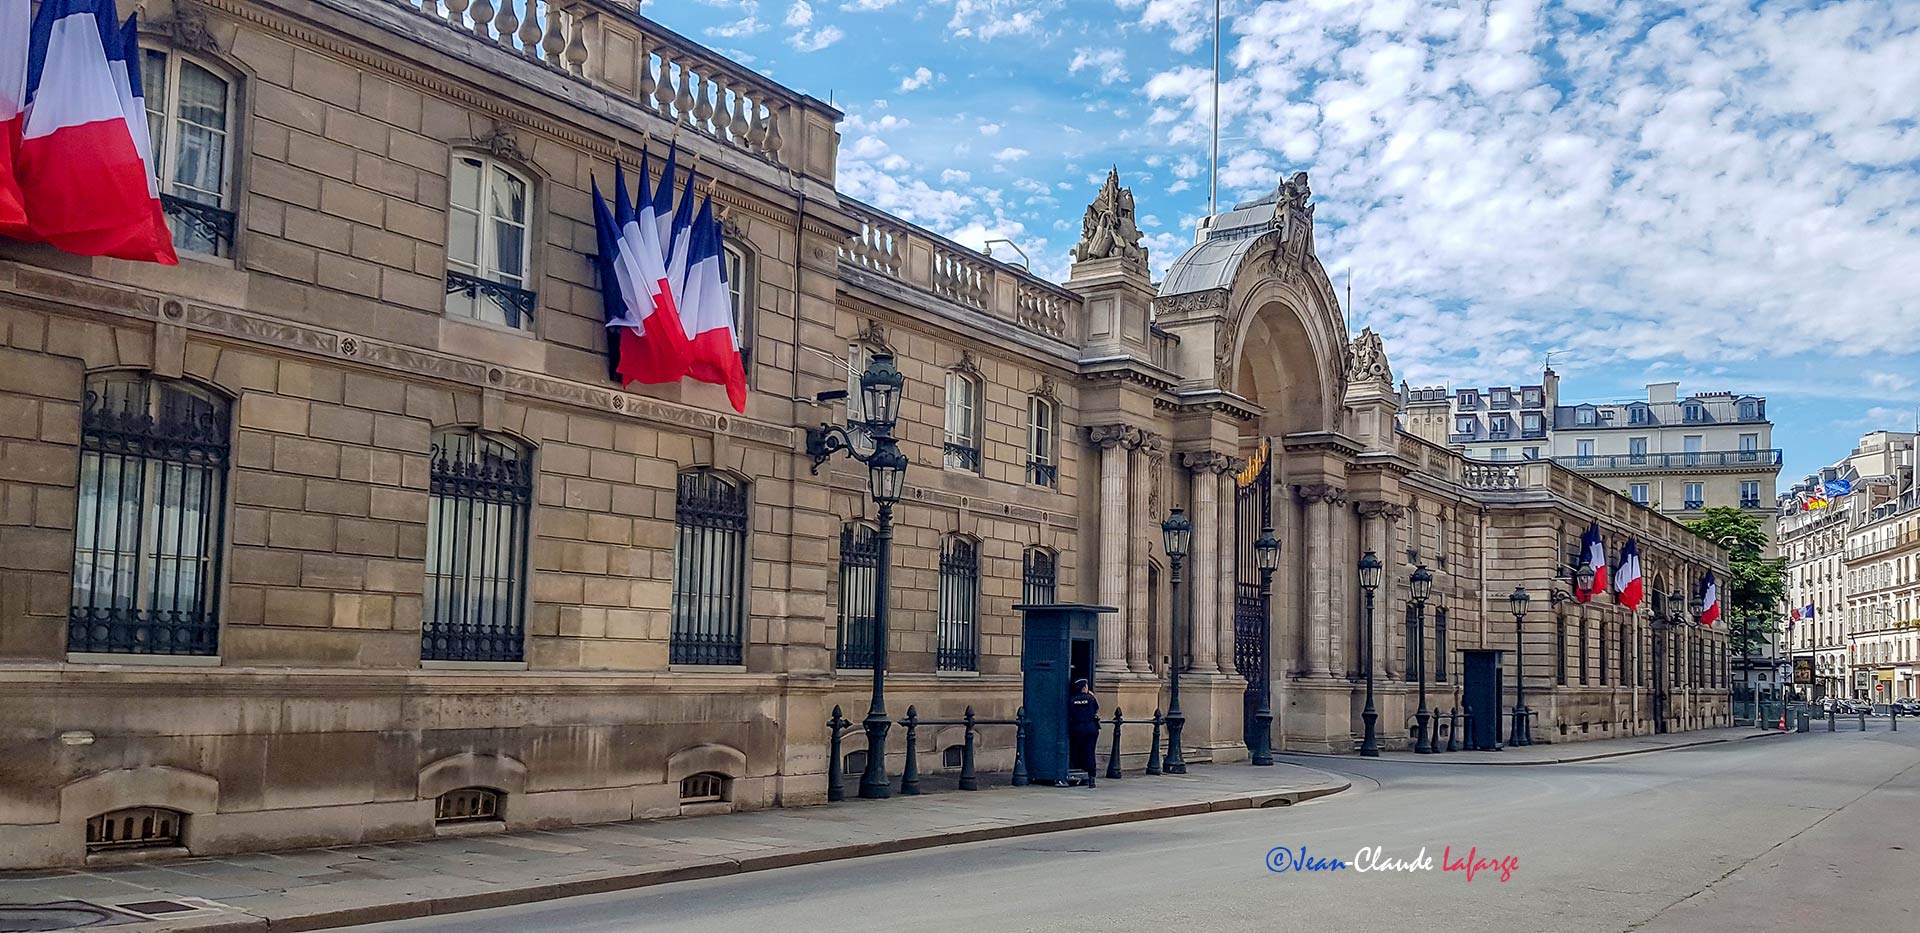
(1056, 648)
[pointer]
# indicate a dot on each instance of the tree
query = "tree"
(1758, 588)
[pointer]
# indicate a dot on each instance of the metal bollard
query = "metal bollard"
(835, 791)
(1453, 730)
(910, 775)
(1153, 754)
(968, 780)
(1863, 721)
(1805, 724)
(1466, 722)
(1893, 718)
(1113, 757)
(1020, 778)
(1830, 719)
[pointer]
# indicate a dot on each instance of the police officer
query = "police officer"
(1083, 728)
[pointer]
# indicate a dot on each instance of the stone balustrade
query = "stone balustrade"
(608, 44)
(918, 259)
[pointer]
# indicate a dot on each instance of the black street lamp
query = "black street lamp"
(1522, 728)
(880, 390)
(1266, 552)
(1421, 588)
(1176, 533)
(1662, 627)
(1370, 572)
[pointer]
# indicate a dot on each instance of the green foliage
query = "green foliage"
(1758, 588)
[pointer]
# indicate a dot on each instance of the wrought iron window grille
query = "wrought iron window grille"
(710, 571)
(198, 223)
(477, 551)
(516, 304)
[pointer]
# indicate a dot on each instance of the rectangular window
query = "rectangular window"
(1583, 416)
(149, 530)
(1639, 492)
(963, 420)
(1583, 653)
(1502, 398)
(488, 242)
(1464, 426)
(1749, 494)
(1412, 645)
(1530, 424)
(1440, 646)
(187, 115)
(1603, 654)
(1692, 447)
(859, 579)
(476, 550)
(710, 559)
(1560, 653)
(1637, 450)
(1695, 498)
(1502, 426)
(1498, 453)
(1532, 453)
(1530, 398)
(1041, 469)
(1583, 452)
(958, 648)
(1039, 580)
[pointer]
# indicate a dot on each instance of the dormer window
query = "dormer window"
(1638, 414)
(1584, 416)
(1694, 412)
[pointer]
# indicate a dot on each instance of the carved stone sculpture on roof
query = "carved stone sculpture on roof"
(1367, 360)
(1109, 229)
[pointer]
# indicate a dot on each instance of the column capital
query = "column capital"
(1373, 508)
(1206, 461)
(1106, 436)
(1321, 492)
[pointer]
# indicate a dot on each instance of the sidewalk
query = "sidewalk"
(322, 888)
(1568, 752)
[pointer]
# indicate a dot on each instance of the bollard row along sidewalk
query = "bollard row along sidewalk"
(317, 889)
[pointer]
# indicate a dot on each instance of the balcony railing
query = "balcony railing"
(1043, 474)
(1695, 460)
(1694, 504)
(607, 44)
(962, 457)
(1887, 543)
(919, 259)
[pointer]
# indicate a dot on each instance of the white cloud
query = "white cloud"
(815, 40)
(1191, 21)
(1010, 154)
(990, 129)
(952, 176)
(748, 24)
(800, 14)
(866, 6)
(993, 19)
(920, 78)
(1890, 383)
(1109, 63)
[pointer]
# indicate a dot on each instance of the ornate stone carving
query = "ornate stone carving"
(1108, 229)
(1371, 508)
(1157, 480)
(1046, 390)
(967, 364)
(502, 144)
(188, 29)
(1367, 360)
(1213, 299)
(1206, 461)
(1107, 436)
(1320, 492)
(874, 335)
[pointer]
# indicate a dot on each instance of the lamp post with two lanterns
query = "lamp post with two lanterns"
(1176, 534)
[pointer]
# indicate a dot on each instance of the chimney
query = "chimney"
(1663, 392)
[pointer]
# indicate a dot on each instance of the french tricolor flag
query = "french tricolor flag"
(1627, 581)
(87, 186)
(16, 26)
(708, 308)
(1594, 552)
(1709, 600)
(660, 355)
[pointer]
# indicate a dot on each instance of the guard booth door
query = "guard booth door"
(1082, 663)
(1056, 648)
(1482, 695)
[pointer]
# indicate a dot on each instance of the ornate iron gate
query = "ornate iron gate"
(1253, 510)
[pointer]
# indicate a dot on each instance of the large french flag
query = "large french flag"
(16, 27)
(82, 177)
(679, 249)
(709, 311)
(1594, 552)
(662, 201)
(660, 355)
(613, 285)
(1626, 582)
(151, 241)
(1709, 600)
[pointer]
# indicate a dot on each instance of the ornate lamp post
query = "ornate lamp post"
(1370, 572)
(1580, 576)
(1177, 533)
(1421, 588)
(1522, 728)
(1676, 616)
(880, 389)
(1266, 552)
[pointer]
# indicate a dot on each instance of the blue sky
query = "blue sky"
(1723, 193)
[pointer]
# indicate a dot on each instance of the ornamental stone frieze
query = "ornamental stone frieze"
(1321, 492)
(1377, 509)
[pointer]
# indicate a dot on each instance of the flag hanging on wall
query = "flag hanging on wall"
(16, 25)
(652, 303)
(86, 184)
(1627, 583)
(716, 344)
(1709, 600)
(1594, 552)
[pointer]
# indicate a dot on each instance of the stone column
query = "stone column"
(1229, 563)
(1204, 626)
(1145, 532)
(1115, 442)
(1377, 519)
(1319, 499)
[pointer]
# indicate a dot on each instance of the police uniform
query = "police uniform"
(1083, 731)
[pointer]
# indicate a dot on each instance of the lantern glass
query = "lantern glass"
(1519, 600)
(1370, 571)
(1266, 550)
(1583, 578)
(887, 474)
(1177, 532)
(880, 389)
(1422, 583)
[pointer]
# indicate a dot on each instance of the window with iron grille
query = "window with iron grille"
(859, 577)
(467, 805)
(1583, 652)
(1041, 469)
(135, 828)
(150, 527)
(1604, 651)
(1412, 666)
(1440, 646)
(954, 756)
(1039, 576)
(475, 607)
(962, 447)
(958, 648)
(1560, 653)
(189, 106)
(709, 570)
(705, 787)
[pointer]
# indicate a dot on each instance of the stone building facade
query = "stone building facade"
(340, 532)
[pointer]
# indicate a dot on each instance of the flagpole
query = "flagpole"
(1213, 174)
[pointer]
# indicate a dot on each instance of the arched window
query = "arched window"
(709, 569)
(476, 549)
(489, 206)
(1042, 426)
(963, 421)
(959, 648)
(149, 531)
(1039, 576)
(190, 108)
(859, 577)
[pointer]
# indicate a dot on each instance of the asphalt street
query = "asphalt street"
(1811, 832)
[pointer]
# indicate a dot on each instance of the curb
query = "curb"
(1572, 759)
(323, 919)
